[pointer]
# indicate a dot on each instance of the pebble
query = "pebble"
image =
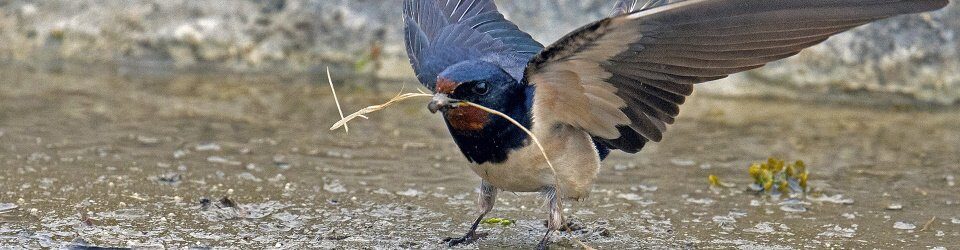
(4, 207)
(839, 232)
(793, 206)
(410, 192)
(955, 220)
(334, 187)
(644, 188)
(147, 140)
(904, 225)
(683, 162)
(248, 176)
(725, 222)
(951, 181)
(207, 147)
(836, 199)
(761, 228)
(413, 145)
(221, 160)
(277, 178)
(895, 206)
(704, 201)
(636, 198)
(179, 154)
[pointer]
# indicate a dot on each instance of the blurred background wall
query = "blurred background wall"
(905, 59)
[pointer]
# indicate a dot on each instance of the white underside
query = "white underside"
(570, 150)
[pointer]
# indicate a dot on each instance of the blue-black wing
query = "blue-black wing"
(440, 33)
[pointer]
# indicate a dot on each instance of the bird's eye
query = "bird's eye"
(480, 88)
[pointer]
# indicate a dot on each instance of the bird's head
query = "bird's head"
(478, 82)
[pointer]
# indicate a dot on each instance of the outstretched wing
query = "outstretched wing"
(623, 78)
(440, 33)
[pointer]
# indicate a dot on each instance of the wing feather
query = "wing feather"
(622, 79)
(440, 33)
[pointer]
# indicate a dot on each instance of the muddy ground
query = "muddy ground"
(114, 160)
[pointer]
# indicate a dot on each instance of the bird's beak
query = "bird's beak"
(441, 102)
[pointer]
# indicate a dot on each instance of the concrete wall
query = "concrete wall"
(912, 58)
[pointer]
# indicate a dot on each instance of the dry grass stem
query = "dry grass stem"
(927, 225)
(361, 113)
(334, 90)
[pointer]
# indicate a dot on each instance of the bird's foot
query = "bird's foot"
(543, 244)
(466, 239)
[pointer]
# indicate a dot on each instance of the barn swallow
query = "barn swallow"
(614, 84)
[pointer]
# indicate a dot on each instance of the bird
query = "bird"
(613, 84)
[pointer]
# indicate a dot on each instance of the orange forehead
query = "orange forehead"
(446, 86)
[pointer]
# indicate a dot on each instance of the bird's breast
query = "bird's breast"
(571, 151)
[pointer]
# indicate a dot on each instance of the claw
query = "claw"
(466, 239)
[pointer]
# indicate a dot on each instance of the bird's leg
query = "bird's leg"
(555, 218)
(488, 196)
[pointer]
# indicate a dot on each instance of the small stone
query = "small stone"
(28, 10)
(147, 140)
(725, 222)
(248, 176)
(904, 225)
(837, 199)
(221, 160)
(623, 167)
(704, 201)
(761, 228)
(793, 206)
(169, 178)
(895, 206)
(207, 147)
(839, 232)
(179, 154)
(603, 232)
(414, 145)
(683, 162)
(334, 187)
(6, 207)
(410, 192)
(277, 178)
(644, 188)
(955, 220)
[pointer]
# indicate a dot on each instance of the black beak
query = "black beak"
(441, 102)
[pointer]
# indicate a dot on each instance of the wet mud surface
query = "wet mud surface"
(119, 161)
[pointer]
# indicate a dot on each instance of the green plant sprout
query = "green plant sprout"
(778, 177)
